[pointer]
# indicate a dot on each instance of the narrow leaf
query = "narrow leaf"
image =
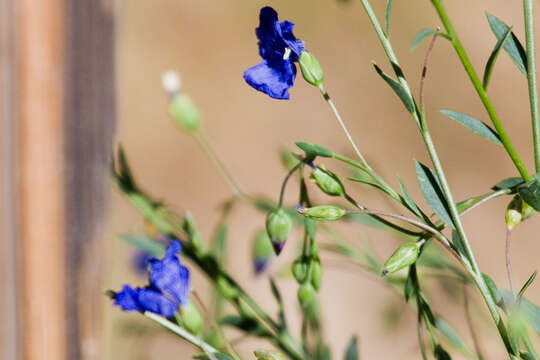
(456, 240)
(492, 288)
(476, 126)
(420, 36)
(368, 182)
(530, 311)
(530, 192)
(527, 283)
(450, 334)
(408, 201)
(508, 183)
(218, 355)
(493, 57)
(387, 18)
(432, 192)
(512, 46)
(352, 349)
(398, 89)
(145, 244)
(313, 150)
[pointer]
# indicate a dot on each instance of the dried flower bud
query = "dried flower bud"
(327, 181)
(191, 318)
(311, 69)
(278, 227)
(262, 251)
(323, 212)
(404, 256)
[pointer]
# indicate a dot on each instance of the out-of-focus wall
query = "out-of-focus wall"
(211, 43)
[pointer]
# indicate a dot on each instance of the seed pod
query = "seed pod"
(185, 113)
(404, 256)
(327, 181)
(323, 212)
(306, 295)
(300, 269)
(316, 275)
(191, 318)
(262, 251)
(311, 69)
(278, 227)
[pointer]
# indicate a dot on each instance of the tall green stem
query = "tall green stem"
(477, 83)
(531, 78)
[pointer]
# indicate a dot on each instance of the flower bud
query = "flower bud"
(306, 295)
(278, 227)
(288, 159)
(228, 290)
(185, 113)
(323, 212)
(268, 355)
(300, 269)
(517, 211)
(404, 256)
(311, 69)
(316, 275)
(191, 318)
(327, 181)
(262, 251)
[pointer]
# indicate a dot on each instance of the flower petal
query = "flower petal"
(169, 276)
(151, 299)
(275, 80)
(296, 46)
(127, 299)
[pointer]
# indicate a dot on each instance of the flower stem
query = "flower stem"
(509, 262)
(531, 78)
(284, 184)
(477, 83)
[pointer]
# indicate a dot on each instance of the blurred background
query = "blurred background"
(79, 77)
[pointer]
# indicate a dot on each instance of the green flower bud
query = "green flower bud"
(288, 159)
(311, 69)
(327, 181)
(300, 269)
(268, 355)
(517, 211)
(316, 274)
(185, 113)
(262, 251)
(191, 318)
(278, 227)
(323, 212)
(306, 295)
(228, 290)
(404, 256)
(213, 338)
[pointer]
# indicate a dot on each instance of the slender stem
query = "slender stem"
(424, 70)
(509, 263)
(531, 78)
(470, 324)
(477, 83)
(420, 335)
(207, 147)
(284, 184)
(186, 335)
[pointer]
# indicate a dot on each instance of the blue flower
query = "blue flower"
(167, 291)
(279, 49)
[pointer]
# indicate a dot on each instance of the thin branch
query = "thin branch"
(509, 263)
(425, 67)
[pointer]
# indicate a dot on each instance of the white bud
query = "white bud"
(171, 82)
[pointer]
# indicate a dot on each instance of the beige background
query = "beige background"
(211, 43)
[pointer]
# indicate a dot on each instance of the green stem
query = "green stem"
(477, 83)
(284, 184)
(531, 78)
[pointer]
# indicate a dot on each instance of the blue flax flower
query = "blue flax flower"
(168, 288)
(279, 50)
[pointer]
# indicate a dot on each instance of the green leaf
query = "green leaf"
(493, 57)
(492, 288)
(398, 89)
(420, 36)
(219, 242)
(369, 182)
(440, 353)
(429, 185)
(218, 355)
(527, 284)
(144, 243)
(244, 323)
(512, 46)
(530, 192)
(456, 240)
(387, 18)
(450, 334)
(530, 311)
(352, 349)
(313, 150)
(476, 126)
(408, 201)
(508, 183)
(268, 355)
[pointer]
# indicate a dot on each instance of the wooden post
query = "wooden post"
(40, 34)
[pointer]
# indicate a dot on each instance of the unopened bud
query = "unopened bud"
(316, 275)
(323, 212)
(306, 295)
(191, 318)
(185, 113)
(268, 355)
(300, 269)
(311, 69)
(327, 181)
(262, 251)
(517, 211)
(278, 227)
(171, 82)
(228, 290)
(404, 256)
